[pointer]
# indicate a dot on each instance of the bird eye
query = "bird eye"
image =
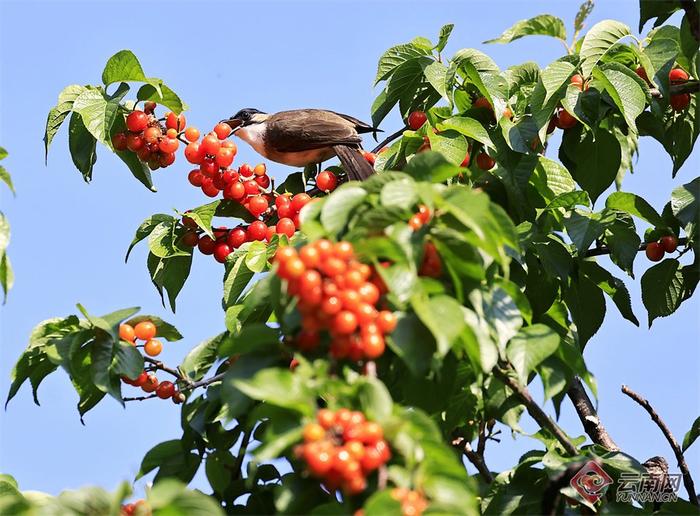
(245, 115)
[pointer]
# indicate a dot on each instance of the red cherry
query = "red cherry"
(370, 157)
(229, 176)
(149, 107)
(263, 181)
(258, 205)
(134, 142)
(482, 103)
(221, 251)
(206, 245)
(219, 181)
(193, 153)
(680, 102)
(210, 144)
(209, 188)
(485, 162)
(642, 73)
(565, 120)
(326, 181)
(677, 76)
(299, 201)
(168, 145)
(236, 238)
(577, 80)
(344, 323)
(234, 190)
(222, 130)
(257, 230)
(151, 134)
(191, 134)
(465, 161)
(245, 170)
(224, 157)
(177, 122)
(260, 169)
(140, 379)
(137, 121)
(195, 177)
(669, 243)
(654, 251)
(190, 239)
(285, 226)
(119, 141)
(208, 167)
(165, 390)
(416, 120)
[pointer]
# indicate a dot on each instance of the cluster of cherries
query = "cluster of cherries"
(655, 250)
(412, 502)
(139, 508)
(337, 294)
(146, 331)
(421, 218)
(341, 448)
(226, 240)
(152, 142)
(680, 101)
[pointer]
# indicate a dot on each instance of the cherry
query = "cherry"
(669, 243)
(145, 330)
(654, 251)
(210, 144)
(134, 142)
(190, 238)
(564, 119)
(149, 107)
(482, 103)
(258, 205)
(292, 268)
(577, 80)
(251, 187)
(193, 153)
(219, 181)
(140, 379)
(299, 201)
(189, 222)
(465, 161)
(151, 383)
(373, 346)
(209, 188)
(165, 390)
(178, 397)
(151, 134)
(370, 157)
(313, 432)
(137, 121)
(206, 245)
(236, 238)
(119, 141)
(641, 72)
(229, 176)
(415, 222)
(262, 181)
(224, 157)
(344, 323)
(191, 134)
(680, 102)
(257, 230)
(485, 162)
(208, 167)
(285, 226)
(234, 190)
(260, 169)
(326, 181)
(416, 120)
(221, 251)
(245, 170)
(195, 177)
(386, 321)
(153, 347)
(318, 461)
(126, 332)
(171, 133)
(222, 130)
(173, 121)
(168, 145)
(677, 76)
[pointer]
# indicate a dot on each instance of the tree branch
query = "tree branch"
(588, 416)
(693, 17)
(535, 410)
(242, 451)
(475, 458)
(603, 249)
(389, 139)
(161, 366)
(687, 479)
(207, 381)
(678, 89)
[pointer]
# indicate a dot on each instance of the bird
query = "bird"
(302, 137)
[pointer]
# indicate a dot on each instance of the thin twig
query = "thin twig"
(687, 479)
(140, 398)
(678, 89)
(535, 410)
(389, 139)
(208, 381)
(601, 250)
(588, 416)
(161, 366)
(475, 458)
(243, 448)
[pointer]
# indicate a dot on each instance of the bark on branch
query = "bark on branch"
(682, 464)
(588, 416)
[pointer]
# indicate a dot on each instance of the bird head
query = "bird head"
(246, 117)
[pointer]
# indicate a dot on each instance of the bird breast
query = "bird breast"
(254, 135)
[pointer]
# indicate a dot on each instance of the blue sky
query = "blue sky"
(69, 238)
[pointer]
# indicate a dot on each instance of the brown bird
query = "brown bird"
(304, 137)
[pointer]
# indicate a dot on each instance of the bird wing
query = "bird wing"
(308, 129)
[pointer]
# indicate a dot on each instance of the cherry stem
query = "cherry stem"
(176, 373)
(140, 398)
(601, 250)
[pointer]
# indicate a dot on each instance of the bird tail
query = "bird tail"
(354, 163)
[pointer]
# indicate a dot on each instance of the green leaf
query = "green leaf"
(4, 232)
(59, 113)
(413, 343)
(375, 399)
(636, 206)
(337, 208)
(685, 202)
(613, 287)
(201, 357)
(82, 146)
(166, 97)
(128, 361)
(595, 160)
(145, 229)
(164, 330)
(203, 215)
(542, 25)
(162, 241)
(236, 279)
(395, 57)
(5, 178)
(402, 193)
(442, 315)
(692, 434)
(279, 387)
(623, 242)
(556, 75)
(598, 40)
(662, 288)
(444, 35)
(436, 74)
(171, 459)
(530, 347)
(584, 228)
(256, 257)
(123, 67)
(660, 9)
(7, 277)
(469, 127)
(587, 306)
(627, 93)
(99, 111)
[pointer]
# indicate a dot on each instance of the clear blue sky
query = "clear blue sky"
(69, 238)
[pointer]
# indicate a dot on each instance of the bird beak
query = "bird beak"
(233, 123)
